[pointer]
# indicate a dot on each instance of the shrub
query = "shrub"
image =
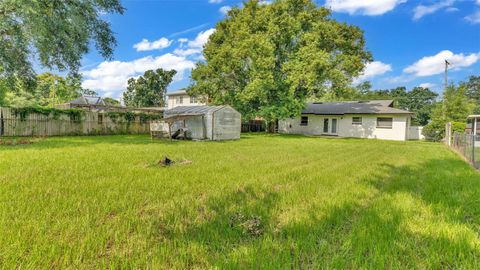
(459, 127)
(435, 130)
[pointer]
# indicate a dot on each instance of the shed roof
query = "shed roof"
(192, 110)
(353, 107)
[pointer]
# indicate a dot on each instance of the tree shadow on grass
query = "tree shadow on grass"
(83, 141)
(450, 186)
(221, 225)
(424, 216)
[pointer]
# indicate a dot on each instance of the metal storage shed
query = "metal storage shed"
(206, 122)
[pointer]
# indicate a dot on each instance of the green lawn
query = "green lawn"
(276, 202)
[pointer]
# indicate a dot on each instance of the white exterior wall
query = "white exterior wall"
(368, 128)
(415, 133)
(227, 124)
(187, 101)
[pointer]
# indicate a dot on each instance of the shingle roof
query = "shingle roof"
(353, 107)
(177, 93)
(191, 110)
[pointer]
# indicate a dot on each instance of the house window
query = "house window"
(325, 125)
(100, 119)
(384, 122)
(356, 120)
(180, 100)
(304, 121)
(193, 100)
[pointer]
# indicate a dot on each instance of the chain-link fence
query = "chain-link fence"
(468, 145)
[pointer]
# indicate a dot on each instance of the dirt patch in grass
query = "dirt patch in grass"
(249, 225)
(15, 142)
(166, 162)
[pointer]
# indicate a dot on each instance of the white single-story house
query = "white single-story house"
(359, 119)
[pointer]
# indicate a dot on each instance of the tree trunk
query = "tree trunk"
(272, 126)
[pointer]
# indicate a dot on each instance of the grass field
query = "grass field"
(273, 202)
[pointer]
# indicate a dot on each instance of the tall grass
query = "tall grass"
(270, 202)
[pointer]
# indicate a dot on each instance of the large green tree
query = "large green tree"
(53, 89)
(148, 90)
(48, 90)
(111, 101)
(55, 33)
(472, 91)
(419, 100)
(454, 107)
(267, 60)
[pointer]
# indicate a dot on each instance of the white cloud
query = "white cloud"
(427, 85)
(112, 76)
(422, 10)
(193, 47)
(215, 1)
(268, 2)
(431, 65)
(201, 39)
(373, 69)
(478, 2)
(452, 9)
(225, 9)
(187, 51)
(146, 45)
(365, 7)
(474, 18)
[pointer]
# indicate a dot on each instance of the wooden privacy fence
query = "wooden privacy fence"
(253, 126)
(89, 123)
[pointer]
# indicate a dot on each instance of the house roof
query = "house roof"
(191, 110)
(177, 93)
(353, 107)
(89, 100)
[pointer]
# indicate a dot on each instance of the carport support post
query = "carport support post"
(475, 120)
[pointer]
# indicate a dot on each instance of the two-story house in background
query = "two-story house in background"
(181, 98)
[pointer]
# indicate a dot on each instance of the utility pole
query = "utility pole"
(446, 73)
(448, 125)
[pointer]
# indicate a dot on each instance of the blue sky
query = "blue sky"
(409, 40)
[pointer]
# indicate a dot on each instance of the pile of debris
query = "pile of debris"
(166, 162)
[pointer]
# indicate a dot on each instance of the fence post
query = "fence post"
(448, 133)
(1, 121)
(473, 150)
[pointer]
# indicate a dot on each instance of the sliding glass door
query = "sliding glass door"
(330, 126)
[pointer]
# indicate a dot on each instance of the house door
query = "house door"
(330, 126)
